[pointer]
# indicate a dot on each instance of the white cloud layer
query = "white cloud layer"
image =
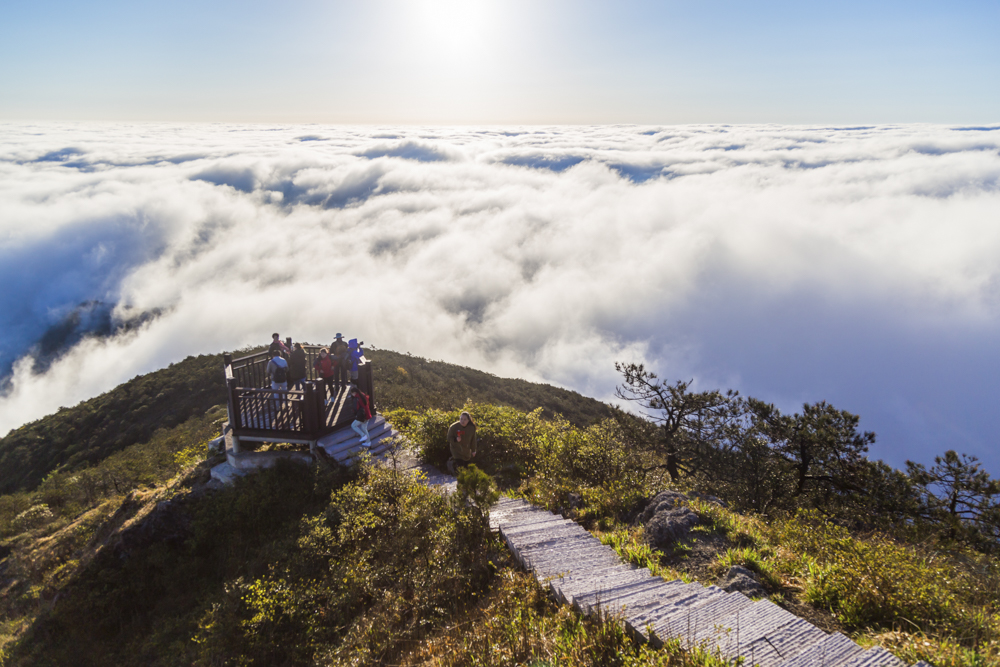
(855, 265)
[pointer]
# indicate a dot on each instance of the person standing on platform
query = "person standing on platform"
(355, 355)
(339, 351)
(362, 413)
(297, 367)
(277, 344)
(462, 440)
(324, 371)
(277, 371)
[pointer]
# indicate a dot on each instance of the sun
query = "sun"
(452, 28)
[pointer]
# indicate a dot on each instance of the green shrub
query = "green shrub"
(33, 517)
(387, 561)
(876, 581)
(476, 488)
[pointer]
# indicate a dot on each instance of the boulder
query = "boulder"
(669, 525)
(664, 500)
(740, 579)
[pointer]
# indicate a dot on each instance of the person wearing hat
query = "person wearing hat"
(338, 350)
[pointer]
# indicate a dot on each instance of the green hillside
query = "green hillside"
(131, 556)
(82, 435)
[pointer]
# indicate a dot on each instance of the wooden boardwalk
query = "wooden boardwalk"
(580, 571)
(590, 576)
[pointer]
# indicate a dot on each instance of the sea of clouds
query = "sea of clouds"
(857, 265)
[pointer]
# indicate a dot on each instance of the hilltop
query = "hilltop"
(117, 549)
(83, 435)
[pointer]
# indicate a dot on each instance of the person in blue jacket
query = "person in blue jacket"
(355, 357)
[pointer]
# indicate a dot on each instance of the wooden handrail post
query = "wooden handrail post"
(234, 413)
(369, 381)
(311, 416)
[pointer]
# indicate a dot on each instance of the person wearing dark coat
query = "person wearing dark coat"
(297, 367)
(338, 349)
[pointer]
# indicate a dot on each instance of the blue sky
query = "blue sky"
(453, 61)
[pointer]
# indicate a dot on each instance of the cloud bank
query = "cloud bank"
(856, 265)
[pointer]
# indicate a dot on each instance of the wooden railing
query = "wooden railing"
(257, 410)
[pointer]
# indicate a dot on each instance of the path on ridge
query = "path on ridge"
(590, 576)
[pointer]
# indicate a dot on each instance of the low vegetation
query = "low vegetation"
(129, 414)
(132, 558)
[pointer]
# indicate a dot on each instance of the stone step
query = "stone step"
(641, 595)
(599, 581)
(614, 601)
(349, 451)
(376, 423)
(558, 560)
(522, 540)
(876, 656)
(520, 515)
(598, 585)
(340, 444)
(834, 650)
(536, 523)
(544, 543)
(764, 632)
(527, 554)
(692, 595)
(687, 623)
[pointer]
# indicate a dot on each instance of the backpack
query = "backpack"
(280, 374)
(361, 412)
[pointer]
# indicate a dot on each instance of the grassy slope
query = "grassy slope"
(404, 381)
(93, 430)
(59, 593)
(130, 413)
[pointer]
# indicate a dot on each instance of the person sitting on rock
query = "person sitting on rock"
(462, 441)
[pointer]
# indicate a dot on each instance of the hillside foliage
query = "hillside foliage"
(129, 414)
(134, 559)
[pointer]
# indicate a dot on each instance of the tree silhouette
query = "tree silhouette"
(687, 422)
(959, 496)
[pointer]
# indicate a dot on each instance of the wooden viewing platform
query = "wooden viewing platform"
(310, 416)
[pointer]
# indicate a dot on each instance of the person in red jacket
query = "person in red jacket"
(362, 413)
(324, 366)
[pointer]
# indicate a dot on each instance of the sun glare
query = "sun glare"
(452, 28)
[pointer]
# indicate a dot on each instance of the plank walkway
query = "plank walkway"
(590, 576)
(582, 572)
